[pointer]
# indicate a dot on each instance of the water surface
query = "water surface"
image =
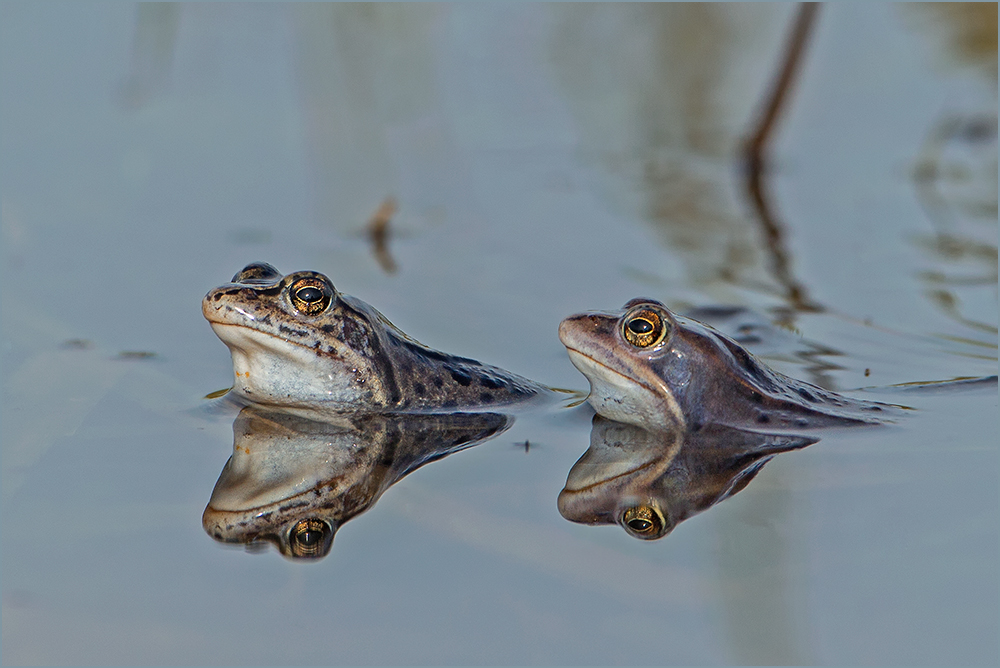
(543, 160)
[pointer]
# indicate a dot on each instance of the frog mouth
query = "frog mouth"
(610, 377)
(242, 334)
(234, 324)
(603, 482)
(576, 355)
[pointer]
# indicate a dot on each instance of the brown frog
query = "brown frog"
(652, 368)
(298, 342)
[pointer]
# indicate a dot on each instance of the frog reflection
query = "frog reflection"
(648, 482)
(293, 481)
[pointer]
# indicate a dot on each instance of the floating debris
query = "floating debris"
(135, 355)
(378, 232)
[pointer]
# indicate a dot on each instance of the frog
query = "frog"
(293, 481)
(653, 368)
(298, 342)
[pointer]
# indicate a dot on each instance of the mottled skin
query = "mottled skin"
(294, 481)
(332, 351)
(666, 475)
(695, 376)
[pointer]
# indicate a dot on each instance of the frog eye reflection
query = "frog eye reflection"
(310, 296)
(645, 522)
(310, 538)
(644, 327)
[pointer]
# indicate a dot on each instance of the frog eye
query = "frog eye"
(310, 296)
(645, 522)
(310, 538)
(644, 327)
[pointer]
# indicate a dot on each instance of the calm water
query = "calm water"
(544, 160)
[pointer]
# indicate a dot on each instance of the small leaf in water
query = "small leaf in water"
(217, 393)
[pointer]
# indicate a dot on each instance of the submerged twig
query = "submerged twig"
(755, 156)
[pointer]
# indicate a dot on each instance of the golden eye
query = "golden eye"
(310, 538)
(643, 522)
(644, 327)
(310, 296)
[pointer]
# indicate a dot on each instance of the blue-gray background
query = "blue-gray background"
(545, 159)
